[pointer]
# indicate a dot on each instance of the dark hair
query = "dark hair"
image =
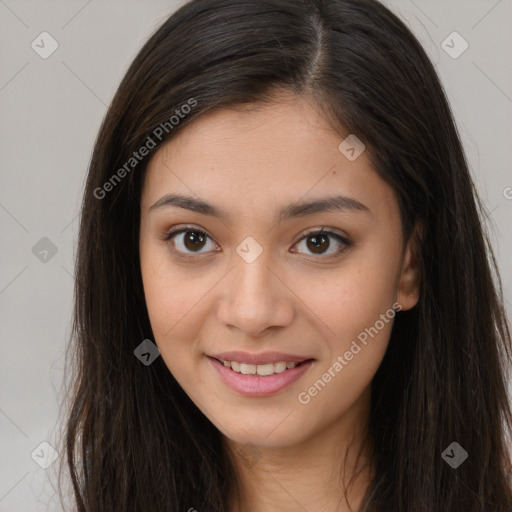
(134, 440)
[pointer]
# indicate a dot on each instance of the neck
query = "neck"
(322, 472)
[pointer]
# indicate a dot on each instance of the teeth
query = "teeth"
(247, 369)
(280, 367)
(265, 369)
(259, 369)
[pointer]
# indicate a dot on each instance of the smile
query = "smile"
(263, 370)
(258, 380)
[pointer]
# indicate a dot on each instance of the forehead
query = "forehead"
(247, 157)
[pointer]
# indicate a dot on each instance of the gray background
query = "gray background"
(51, 110)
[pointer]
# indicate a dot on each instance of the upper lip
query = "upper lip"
(260, 358)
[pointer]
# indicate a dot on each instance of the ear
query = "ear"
(408, 291)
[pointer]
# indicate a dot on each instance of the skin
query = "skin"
(251, 162)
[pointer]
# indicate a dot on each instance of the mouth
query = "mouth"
(259, 380)
(262, 370)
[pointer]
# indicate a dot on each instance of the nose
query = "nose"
(256, 298)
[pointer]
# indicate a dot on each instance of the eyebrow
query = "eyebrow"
(335, 203)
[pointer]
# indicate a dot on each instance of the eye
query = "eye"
(189, 240)
(318, 241)
(193, 239)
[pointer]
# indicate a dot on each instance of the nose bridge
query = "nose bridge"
(253, 279)
(255, 298)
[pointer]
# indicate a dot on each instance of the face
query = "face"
(244, 277)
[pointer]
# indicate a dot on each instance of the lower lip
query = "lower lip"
(255, 385)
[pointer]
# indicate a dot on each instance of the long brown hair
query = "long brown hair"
(134, 441)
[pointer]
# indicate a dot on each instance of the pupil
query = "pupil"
(317, 242)
(192, 239)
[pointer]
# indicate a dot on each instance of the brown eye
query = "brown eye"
(194, 240)
(189, 240)
(320, 241)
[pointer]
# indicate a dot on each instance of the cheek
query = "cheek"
(354, 311)
(170, 292)
(360, 317)
(173, 302)
(352, 298)
(176, 311)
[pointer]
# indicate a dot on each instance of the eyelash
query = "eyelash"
(344, 242)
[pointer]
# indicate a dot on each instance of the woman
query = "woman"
(284, 299)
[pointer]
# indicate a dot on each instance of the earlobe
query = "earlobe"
(410, 278)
